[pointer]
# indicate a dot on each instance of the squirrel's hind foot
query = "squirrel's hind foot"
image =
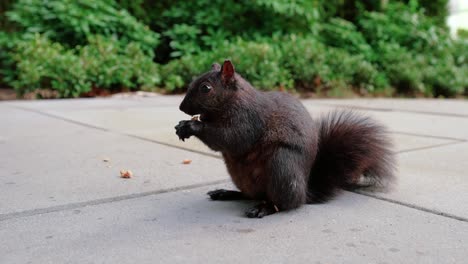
(261, 210)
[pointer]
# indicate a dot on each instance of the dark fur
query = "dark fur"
(274, 150)
(353, 152)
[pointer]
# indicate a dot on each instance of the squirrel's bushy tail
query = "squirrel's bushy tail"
(353, 152)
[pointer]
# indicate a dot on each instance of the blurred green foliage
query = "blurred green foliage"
(333, 47)
(71, 22)
(104, 63)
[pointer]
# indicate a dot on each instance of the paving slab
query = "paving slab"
(184, 227)
(454, 107)
(425, 125)
(99, 103)
(431, 176)
(434, 179)
(406, 143)
(448, 127)
(50, 162)
(154, 123)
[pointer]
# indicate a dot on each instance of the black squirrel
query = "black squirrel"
(273, 149)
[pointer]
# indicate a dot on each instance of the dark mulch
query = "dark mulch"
(7, 94)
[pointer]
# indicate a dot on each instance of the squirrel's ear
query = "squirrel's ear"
(227, 71)
(215, 67)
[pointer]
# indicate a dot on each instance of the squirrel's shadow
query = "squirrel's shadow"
(197, 209)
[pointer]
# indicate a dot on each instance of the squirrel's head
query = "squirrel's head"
(211, 92)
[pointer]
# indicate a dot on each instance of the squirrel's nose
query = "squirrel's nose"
(187, 106)
(184, 106)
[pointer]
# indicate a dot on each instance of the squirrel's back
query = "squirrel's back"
(346, 149)
(289, 121)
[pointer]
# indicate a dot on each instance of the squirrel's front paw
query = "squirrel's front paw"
(226, 195)
(186, 129)
(183, 130)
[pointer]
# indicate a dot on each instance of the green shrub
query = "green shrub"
(256, 61)
(304, 58)
(462, 33)
(333, 46)
(447, 74)
(354, 70)
(72, 22)
(436, 9)
(110, 64)
(402, 25)
(259, 62)
(7, 44)
(43, 64)
(345, 35)
(105, 63)
(284, 62)
(403, 69)
(445, 80)
(460, 52)
(189, 32)
(312, 64)
(416, 54)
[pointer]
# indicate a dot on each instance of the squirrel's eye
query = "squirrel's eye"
(205, 88)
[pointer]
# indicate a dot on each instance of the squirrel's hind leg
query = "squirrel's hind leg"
(287, 187)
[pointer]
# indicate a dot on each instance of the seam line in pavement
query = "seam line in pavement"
(413, 206)
(107, 130)
(377, 109)
(71, 206)
(427, 136)
(454, 140)
(458, 140)
(60, 118)
(114, 132)
(395, 110)
(430, 147)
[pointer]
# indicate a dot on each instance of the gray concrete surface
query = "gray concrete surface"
(60, 202)
(421, 105)
(184, 227)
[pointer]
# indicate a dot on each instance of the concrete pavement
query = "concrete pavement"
(62, 200)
